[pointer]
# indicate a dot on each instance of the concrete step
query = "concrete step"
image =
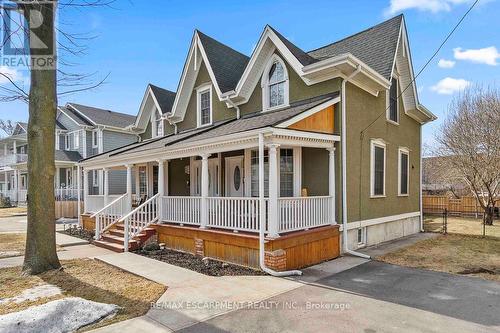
(117, 239)
(110, 246)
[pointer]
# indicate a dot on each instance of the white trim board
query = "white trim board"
(379, 220)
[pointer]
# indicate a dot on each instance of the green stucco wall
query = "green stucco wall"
(362, 109)
(178, 180)
(219, 109)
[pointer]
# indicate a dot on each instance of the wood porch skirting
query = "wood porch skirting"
(290, 251)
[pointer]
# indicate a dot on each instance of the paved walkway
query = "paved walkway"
(349, 294)
(192, 297)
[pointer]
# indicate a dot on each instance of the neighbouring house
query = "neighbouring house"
(81, 131)
(307, 143)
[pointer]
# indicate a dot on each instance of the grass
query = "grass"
(461, 225)
(453, 253)
(12, 244)
(89, 279)
(12, 211)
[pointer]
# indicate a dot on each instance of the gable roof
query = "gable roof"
(97, 116)
(375, 46)
(304, 58)
(75, 116)
(227, 64)
(164, 97)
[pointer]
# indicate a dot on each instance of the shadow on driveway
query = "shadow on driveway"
(470, 299)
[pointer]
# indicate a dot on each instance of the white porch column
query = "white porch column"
(165, 189)
(78, 195)
(331, 182)
(204, 190)
(129, 187)
(85, 189)
(16, 184)
(58, 177)
(161, 187)
(106, 186)
(273, 191)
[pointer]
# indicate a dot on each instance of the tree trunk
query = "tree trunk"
(40, 254)
(488, 215)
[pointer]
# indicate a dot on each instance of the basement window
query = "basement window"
(361, 236)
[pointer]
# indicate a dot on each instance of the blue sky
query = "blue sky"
(138, 42)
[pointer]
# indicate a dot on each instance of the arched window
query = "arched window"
(275, 84)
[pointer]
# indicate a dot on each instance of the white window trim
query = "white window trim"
(264, 84)
(95, 138)
(388, 102)
(361, 243)
(377, 143)
(401, 151)
(22, 150)
(95, 178)
(66, 142)
(76, 139)
(69, 174)
(200, 90)
(57, 140)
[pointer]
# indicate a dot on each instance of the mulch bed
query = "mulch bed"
(204, 266)
(79, 233)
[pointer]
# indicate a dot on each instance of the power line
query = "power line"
(426, 64)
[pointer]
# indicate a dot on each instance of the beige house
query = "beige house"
(305, 145)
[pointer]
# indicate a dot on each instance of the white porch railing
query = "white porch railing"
(22, 195)
(67, 194)
(140, 218)
(304, 212)
(184, 210)
(238, 214)
(110, 214)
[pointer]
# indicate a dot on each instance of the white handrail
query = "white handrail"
(140, 218)
(108, 205)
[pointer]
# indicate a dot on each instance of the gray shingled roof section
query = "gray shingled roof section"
(105, 117)
(227, 64)
(375, 46)
(164, 97)
(60, 126)
(75, 116)
(67, 156)
(246, 123)
(304, 58)
(262, 119)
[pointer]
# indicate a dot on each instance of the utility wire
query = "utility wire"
(426, 64)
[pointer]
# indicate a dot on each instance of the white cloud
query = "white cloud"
(433, 6)
(443, 63)
(487, 55)
(13, 74)
(448, 86)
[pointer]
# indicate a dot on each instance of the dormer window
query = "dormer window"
(392, 100)
(275, 84)
(204, 102)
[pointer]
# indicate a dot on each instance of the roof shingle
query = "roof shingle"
(105, 117)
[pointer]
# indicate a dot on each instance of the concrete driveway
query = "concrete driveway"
(373, 297)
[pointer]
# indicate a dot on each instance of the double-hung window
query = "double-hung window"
(286, 172)
(393, 107)
(67, 141)
(95, 139)
(377, 159)
(403, 171)
(204, 105)
(254, 166)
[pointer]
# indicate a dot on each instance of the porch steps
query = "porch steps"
(113, 239)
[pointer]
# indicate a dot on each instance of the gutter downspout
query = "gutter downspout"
(262, 217)
(420, 195)
(344, 169)
(237, 108)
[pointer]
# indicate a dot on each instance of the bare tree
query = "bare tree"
(470, 142)
(40, 253)
(7, 126)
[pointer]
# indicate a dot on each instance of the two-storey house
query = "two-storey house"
(303, 145)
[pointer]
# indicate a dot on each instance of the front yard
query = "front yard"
(12, 244)
(86, 279)
(453, 253)
(461, 225)
(12, 211)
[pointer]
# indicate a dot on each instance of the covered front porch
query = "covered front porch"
(216, 185)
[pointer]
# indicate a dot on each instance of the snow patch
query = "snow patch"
(64, 315)
(32, 294)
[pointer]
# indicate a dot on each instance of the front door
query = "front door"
(234, 176)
